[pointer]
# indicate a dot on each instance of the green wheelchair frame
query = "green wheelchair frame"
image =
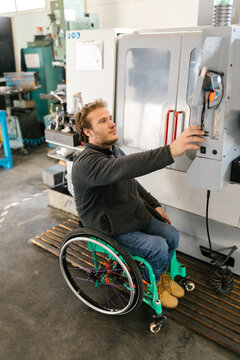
(110, 261)
(151, 296)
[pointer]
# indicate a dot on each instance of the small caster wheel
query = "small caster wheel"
(155, 328)
(190, 286)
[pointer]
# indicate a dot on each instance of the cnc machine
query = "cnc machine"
(164, 81)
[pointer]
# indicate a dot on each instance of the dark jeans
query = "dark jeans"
(156, 243)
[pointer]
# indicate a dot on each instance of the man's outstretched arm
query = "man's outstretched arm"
(187, 140)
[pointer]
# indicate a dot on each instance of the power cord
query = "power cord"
(221, 280)
(207, 226)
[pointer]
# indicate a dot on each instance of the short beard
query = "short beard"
(111, 142)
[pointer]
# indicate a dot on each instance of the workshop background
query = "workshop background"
(42, 82)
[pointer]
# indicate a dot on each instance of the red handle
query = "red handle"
(175, 124)
(166, 126)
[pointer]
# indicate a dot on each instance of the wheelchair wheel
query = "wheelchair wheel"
(100, 272)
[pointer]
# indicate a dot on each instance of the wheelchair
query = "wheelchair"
(108, 279)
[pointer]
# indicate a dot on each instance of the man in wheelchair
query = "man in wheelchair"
(109, 199)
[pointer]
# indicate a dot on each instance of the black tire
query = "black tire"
(94, 264)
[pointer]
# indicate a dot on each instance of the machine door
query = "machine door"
(146, 92)
(188, 73)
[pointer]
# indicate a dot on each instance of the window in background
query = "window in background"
(30, 4)
(7, 6)
(21, 5)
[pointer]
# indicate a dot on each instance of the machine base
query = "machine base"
(214, 255)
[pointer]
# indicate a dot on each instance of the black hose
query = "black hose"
(207, 226)
(221, 280)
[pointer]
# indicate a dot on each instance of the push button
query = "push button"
(203, 150)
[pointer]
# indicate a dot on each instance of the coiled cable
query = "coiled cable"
(221, 280)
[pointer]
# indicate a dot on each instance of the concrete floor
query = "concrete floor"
(40, 318)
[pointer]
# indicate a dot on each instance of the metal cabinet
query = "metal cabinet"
(156, 74)
(39, 59)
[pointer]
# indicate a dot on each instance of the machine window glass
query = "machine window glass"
(194, 68)
(146, 91)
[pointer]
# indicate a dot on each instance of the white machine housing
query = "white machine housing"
(90, 69)
(155, 78)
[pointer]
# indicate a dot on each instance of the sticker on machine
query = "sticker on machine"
(89, 55)
(32, 61)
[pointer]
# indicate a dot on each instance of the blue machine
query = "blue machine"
(5, 162)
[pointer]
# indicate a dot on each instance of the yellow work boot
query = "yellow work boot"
(171, 286)
(167, 300)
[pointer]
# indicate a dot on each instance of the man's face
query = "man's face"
(103, 131)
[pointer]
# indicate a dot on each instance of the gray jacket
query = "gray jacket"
(107, 196)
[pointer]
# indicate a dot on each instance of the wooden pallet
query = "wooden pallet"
(215, 317)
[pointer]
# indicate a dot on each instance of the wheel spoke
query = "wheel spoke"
(118, 294)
